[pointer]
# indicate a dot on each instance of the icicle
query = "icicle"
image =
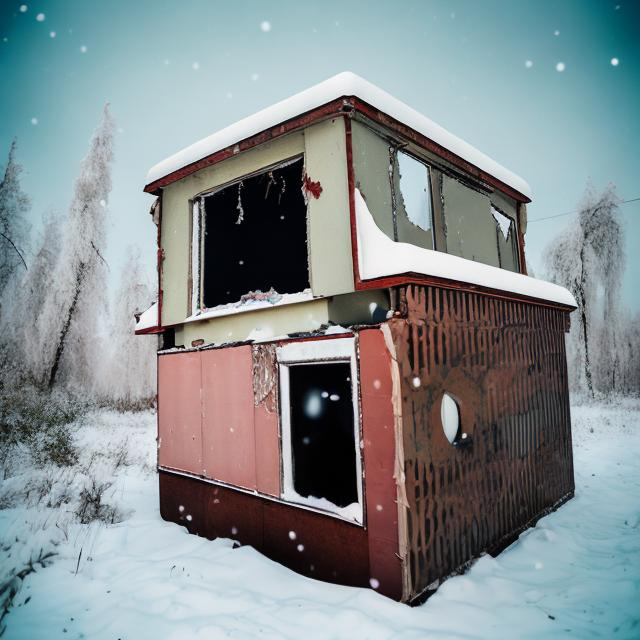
(239, 205)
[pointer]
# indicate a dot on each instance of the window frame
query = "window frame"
(197, 228)
(308, 352)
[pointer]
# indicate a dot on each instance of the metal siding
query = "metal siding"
(228, 438)
(179, 424)
(505, 364)
(379, 455)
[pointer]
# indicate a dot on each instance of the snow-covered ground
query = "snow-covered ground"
(576, 574)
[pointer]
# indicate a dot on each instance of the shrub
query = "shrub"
(40, 423)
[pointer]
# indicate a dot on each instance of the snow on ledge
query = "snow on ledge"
(343, 84)
(148, 319)
(379, 256)
(251, 305)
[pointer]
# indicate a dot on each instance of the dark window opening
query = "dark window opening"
(322, 432)
(255, 237)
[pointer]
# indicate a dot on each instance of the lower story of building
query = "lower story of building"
(387, 456)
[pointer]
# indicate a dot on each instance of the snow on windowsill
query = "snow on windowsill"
(148, 319)
(251, 305)
(344, 84)
(379, 256)
(352, 512)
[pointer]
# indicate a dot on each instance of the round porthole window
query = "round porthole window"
(450, 417)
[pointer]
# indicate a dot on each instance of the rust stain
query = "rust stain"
(314, 188)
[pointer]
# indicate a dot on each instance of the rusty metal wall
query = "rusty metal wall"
(504, 363)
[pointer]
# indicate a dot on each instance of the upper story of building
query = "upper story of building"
(311, 211)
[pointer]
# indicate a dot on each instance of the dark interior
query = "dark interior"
(256, 236)
(322, 432)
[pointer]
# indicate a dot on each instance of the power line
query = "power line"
(568, 213)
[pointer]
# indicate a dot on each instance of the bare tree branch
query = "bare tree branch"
(15, 248)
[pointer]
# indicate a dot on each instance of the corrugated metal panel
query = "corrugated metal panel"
(504, 363)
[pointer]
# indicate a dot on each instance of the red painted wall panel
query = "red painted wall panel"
(268, 451)
(228, 440)
(379, 456)
(179, 412)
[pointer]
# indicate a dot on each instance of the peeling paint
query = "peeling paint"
(314, 188)
(265, 377)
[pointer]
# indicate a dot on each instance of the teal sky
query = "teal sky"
(175, 72)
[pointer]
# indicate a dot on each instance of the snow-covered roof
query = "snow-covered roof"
(341, 85)
(148, 320)
(379, 256)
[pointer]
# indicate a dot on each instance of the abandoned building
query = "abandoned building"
(356, 375)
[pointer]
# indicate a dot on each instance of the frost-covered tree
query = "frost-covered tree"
(629, 350)
(128, 378)
(28, 301)
(69, 320)
(14, 229)
(588, 258)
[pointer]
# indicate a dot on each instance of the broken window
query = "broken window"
(506, 239)
(412, 196)
(252, 237)
(321, 456)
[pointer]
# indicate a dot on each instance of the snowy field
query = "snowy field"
(575, 575)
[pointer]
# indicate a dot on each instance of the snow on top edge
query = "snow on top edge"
(148, 319)
(379, 256)
(342, 84)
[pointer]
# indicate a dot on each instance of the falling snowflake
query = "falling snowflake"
(265, 26)
(23, 8)
(40, 17)
(615, 62)
(528, 64)
(416, 382)
(292, 535)
(229, 95)
(52, 34)
(195, 66)
(300, 548)
(234, 530)
(254, 76)
(83, 49)
(556, 33)
(374, 583)
(34, 120)
(334, 397)
(560, 67)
